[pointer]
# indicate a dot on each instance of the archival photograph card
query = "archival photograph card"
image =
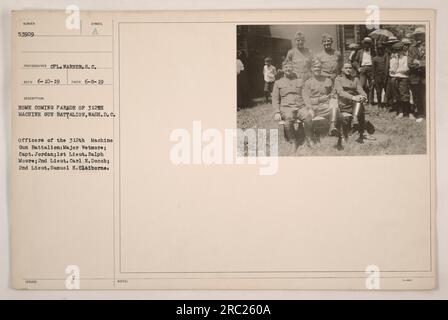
(289, 149)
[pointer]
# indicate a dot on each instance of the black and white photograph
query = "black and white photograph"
(335, 90)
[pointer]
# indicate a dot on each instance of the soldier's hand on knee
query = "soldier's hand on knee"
(324, 98)
(357, 98)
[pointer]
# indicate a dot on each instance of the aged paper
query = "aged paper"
(126, 170)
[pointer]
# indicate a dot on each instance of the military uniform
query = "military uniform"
(287, 99)
(301, 62)
(346, 88)
(313, 92)
(317, 93)
(331, 63)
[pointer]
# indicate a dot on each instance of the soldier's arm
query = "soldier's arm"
(307, 73)
(340, 90)
(331, 93)
(306, 95)
(340, 61)
(359, 88)
(276, 97)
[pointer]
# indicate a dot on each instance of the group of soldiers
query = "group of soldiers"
(323, 89)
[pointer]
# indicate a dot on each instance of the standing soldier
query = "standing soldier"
(289, 107)
(417, 70)
(300, 57)
(331, 59)
(317, 94)
(363, 63)
(351, 102)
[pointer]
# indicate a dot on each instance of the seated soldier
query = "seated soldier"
(351, 98)
(317, 93)
(290, 108)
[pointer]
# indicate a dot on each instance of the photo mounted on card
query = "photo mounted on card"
(289, 149)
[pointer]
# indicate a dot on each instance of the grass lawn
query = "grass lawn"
(393, 137)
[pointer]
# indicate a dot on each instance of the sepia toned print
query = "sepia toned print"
(334, 89)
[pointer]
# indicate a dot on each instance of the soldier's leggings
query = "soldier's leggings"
(359, 116)
(335, 118)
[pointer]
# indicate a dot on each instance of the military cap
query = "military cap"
(327, 36)
(299, 35)
(316, 62)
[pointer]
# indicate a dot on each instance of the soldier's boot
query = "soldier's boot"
(356, 113)
(308, 129)
(362, 128)
(360, 139)
(297, 133)
(345, 130)
(290, 134)
(340, 143)
(281, 128)
(342, 136)
(333, 131)
(370, 128)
